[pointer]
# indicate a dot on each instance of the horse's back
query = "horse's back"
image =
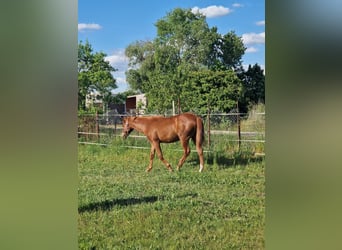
(188, 119)
(172, 123)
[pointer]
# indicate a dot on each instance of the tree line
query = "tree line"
(187, 63)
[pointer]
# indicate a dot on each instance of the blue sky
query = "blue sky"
(111, 25)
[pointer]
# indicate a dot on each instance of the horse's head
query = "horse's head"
(126, 127)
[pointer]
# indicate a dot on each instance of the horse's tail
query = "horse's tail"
(199, 131)
(199, 141)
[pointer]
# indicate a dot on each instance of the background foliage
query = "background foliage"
(188, 63)
(94, 75)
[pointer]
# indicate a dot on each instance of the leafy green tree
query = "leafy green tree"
(253, 81)
(228, 51)
(94, 74)
(141, 63)
(217, 90)
(184, 44)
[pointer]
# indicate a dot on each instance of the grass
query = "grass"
(122, 207)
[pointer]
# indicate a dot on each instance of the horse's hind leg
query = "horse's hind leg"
(199, 152)
(200, 155)
(156, 145)
(186, 148)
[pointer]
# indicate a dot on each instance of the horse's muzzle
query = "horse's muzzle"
(126, 133)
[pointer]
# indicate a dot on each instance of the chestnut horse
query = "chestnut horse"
(159, 129)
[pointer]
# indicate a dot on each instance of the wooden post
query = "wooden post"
(97, 128)
(87, 123)
(238, 125)
(115, 125)
(208, 117)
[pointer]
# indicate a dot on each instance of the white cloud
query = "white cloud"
(118, 60)
(88, 26)
(212, 11)
(260, 23)
(237, 5)
(120, 80)
(253, 38)
(251, 50)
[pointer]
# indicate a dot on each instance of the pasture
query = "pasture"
(123, 207)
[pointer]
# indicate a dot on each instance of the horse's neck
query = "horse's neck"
(139, 125)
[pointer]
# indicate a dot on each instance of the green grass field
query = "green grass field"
(123, 207)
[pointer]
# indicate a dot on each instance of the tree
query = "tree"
(184, 44)
(217, 90)
(141, 63)
(159, 67)
(253, 81)
(228, 51)
(94, 75)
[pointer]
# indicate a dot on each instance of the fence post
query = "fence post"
(238, 125)
(115, 125)
(97, 126)
(208, 117)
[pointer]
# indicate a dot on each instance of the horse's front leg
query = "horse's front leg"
(156, 145)
(152, 153)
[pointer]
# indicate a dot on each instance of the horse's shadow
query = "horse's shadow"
(224, 162)
(109, 204)
(230, 162)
